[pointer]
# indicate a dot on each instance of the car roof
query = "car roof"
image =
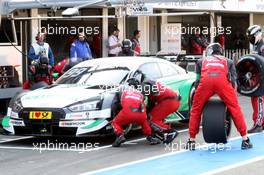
(132, 62)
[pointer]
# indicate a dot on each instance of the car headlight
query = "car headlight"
(87, 106)
(17, 105)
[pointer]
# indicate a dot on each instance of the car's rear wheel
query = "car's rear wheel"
(216, 122)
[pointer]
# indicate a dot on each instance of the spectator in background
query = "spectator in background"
(97, 45)
(204, 41)
(113, 44)
(220, 38)
(40, 49)
(135, 42)
(196, 46)
(239, 40)
(80, 49)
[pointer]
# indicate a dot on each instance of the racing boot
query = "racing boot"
(255, 129)
(190, 145)
(246, 144)
(119, 140)
(153, 140)
(170, 136)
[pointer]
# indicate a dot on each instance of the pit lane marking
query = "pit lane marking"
(256, 159)
(11, 140)
(108, 170)
(71, 150)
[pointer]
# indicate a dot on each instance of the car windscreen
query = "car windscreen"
(84, 76)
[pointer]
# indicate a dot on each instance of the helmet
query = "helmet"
(43, 60)
(254, 34)
(214, 49)
(148, 87)
(127, 43)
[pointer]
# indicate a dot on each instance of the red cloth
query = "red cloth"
(211, 85)
(131, 99)
(166, 104)
(254, 102)
(60, 66)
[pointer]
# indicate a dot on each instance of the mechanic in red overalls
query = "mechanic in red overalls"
(39, 72)
(254, 35)
(162, 101)
(133, 111)
(217, 76)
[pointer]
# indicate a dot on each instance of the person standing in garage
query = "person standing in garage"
(216, 75)
(135, 42)
(80, 49)
(254, 35)
(133, 110)
(114, 47)
(40, 49)
(162, 101)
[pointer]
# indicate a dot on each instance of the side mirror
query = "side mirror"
(191, 67)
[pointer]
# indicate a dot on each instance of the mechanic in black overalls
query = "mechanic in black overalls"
(254, 35)
(126, 48)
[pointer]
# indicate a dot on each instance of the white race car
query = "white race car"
(82, 101)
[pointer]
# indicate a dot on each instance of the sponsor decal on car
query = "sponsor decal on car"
(74, 123)
(16, 122)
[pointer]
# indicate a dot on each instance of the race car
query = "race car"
(82, 102)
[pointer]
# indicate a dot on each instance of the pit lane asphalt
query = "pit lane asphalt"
(21, 157)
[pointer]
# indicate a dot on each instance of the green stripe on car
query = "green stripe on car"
(95, 123)
(5, 122)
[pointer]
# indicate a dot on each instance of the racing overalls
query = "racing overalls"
(165, 101)
(133, 111)
(255, 101)
(214, 72)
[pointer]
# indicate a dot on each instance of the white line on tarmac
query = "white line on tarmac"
(151, 158)
(70, 150)
(20, 138)
(256, 159)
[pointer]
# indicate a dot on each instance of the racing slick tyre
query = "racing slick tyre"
(38, 85)
(216, 122)
(250, 75)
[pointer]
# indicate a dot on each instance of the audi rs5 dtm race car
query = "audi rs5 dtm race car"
(81, 102)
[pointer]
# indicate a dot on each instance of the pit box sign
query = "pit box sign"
(139, 9)
(171, 38)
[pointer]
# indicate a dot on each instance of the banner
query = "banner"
(171, 38)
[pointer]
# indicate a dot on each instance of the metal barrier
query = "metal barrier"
(235, 54)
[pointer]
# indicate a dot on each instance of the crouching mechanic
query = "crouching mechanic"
(162, 101)
(133, 111)
(216, 75)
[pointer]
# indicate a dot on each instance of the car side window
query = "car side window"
(151, 70)
(168, 70)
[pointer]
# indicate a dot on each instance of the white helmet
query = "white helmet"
(254, 34)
